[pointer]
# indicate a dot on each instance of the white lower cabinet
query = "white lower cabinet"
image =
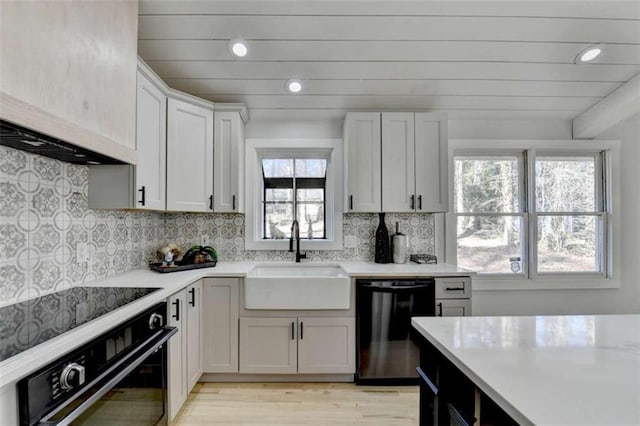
(268, 345)
(185, 348)
(220, 326)
(326, 345)
(453, 307)
(297, 345)
(453, 296)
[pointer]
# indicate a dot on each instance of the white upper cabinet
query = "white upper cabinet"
(228, 194)
(151, 145)
(398, 165)
(396, 162)
(363, 162)
(431, 161)
(142, 186)
(189, 157)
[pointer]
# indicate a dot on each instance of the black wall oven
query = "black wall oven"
(118, 378)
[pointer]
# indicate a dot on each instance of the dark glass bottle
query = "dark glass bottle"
(383, 248)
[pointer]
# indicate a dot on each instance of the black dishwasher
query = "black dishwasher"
(387, 353)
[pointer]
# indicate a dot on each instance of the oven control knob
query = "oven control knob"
(155, 321)
(72, 376)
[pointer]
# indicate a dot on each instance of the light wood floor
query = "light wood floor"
(331, 404)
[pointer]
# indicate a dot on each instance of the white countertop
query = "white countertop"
(16, 367)
(548, 369)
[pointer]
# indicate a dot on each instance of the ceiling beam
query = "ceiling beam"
(619, 105)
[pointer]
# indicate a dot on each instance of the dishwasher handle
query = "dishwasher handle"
(396, 289)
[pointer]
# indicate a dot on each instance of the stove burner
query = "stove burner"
(29, 323)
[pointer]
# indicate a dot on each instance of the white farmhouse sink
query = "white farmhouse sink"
(297, 286)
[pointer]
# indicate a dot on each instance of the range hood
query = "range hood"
(19, 137)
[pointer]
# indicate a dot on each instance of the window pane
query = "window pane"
(565, 184)
(310, 195)
(486, 185)
(277, 167)
(278, 219)
(490, 244)
(279, 194)
(311, 167)
(311, 220)
(568, 243)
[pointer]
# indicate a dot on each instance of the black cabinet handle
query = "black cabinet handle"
(142, 191)
(439, 309)
(419, 202)
(177, 305)
(301, 330)
(192, 292)
(413, 202)
(454, 288)
(211, 202)
(233, 202)
(350, 202)
(293, 330)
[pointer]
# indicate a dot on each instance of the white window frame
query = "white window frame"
(330, 149)
(530, 280)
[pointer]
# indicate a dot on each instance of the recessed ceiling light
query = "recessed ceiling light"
(93, 163)
(294, 86)
(79, 155)
(589, 54)
(238, 47)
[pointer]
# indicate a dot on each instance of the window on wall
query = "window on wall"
(294, 189)
(530, 213)
(291, 179)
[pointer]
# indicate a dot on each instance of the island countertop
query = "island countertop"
(578, 369)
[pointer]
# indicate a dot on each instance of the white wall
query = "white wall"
(625, 299)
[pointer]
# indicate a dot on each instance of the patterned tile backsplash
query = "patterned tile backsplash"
(44, 216)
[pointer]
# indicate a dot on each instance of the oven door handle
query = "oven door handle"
(112, 376)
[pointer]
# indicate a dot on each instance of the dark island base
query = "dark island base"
(449, 397)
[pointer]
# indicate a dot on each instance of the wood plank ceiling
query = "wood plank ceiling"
(472, 59)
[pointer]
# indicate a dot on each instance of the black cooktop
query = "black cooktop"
(29, 323)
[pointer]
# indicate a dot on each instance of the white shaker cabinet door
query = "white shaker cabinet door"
(189, 157)
(363, 162)
(229, 163)
(268, 345)
(431, 161)
(326, 345)
(220, 327)
(398, 164)
(193, 312)
(177, 357)
(151, 146)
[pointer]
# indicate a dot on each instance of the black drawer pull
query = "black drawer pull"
(211, 202)
(293, 331)
(439, 309)
(301, 330)
(419, 202)
(350, 202)
(413, 202)
(177, 314)
(233, 202)
(142, 192)
(192, 292)
(454, 288)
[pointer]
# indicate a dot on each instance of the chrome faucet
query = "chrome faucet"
(295, 233)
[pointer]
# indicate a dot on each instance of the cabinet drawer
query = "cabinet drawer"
(453, 288)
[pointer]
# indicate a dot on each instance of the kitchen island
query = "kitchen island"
(580, 369)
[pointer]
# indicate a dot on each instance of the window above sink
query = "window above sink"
(294, 179)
